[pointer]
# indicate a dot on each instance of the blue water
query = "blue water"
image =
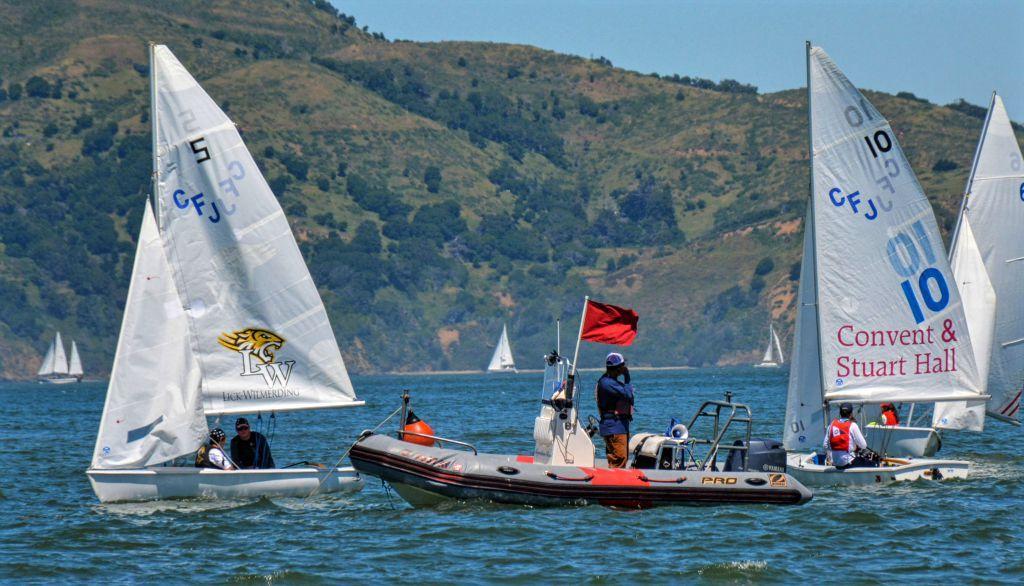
(52, 528)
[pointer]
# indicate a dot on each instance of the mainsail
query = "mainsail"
(778, 345)
(890, 325)
(502, 358)
(154, 409)
(987, 254)
(75, 365)
(769, 352)
(60, 360)
(257, 326)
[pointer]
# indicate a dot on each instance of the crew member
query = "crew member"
(211, 454)
(250, 449)
(889, 415)
(842, 435)
(615, 404)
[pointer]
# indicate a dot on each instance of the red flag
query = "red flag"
(609, 324)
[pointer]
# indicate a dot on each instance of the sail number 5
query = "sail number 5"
(926, 285)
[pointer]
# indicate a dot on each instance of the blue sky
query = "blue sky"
(939, 49)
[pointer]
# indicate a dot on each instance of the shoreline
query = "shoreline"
(522, 371)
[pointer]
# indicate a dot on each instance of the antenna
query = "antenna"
(558, 336)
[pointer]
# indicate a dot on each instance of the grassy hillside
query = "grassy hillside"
(436, 189)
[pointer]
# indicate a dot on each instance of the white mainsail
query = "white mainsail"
(778, 344)
(987, 253)
(257, 325)
(75, 364)
(60, 359)
(769, 353)
(154, 409)
(46, 368)
(502, 358)
(890, 324)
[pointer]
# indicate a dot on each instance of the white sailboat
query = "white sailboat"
(501, 360)
(773, 357)
(878, 318)
(222, 316)
(987, 254)
(54, 369)
(75, 364)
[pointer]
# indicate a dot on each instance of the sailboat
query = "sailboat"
(773, 356)
(879, 317)
(54, 369)
(221, 318)
(987, 254)
(501, 360)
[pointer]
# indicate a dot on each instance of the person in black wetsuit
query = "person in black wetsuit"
(250, 449)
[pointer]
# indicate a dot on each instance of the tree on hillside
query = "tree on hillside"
(432, 177)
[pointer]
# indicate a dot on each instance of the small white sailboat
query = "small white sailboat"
(501, 360)
(222, 316)
(987, 254)
(54, 369)
(773, 357)
(878, 319)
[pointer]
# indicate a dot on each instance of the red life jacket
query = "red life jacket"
(890, 418)
(839, 435)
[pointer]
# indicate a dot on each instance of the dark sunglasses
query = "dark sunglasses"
(242, 428)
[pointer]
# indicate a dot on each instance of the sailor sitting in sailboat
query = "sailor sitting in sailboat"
(842, 434)
(211, 455)
(250, 449)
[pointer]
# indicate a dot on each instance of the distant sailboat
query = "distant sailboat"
(502, 360)
(987, 255)
(773, 357)
(222, 316)
(54, 369)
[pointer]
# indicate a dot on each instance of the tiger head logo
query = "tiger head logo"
(260, 343)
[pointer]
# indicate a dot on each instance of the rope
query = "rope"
(345, 455)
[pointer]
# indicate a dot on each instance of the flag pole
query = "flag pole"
(576, 353)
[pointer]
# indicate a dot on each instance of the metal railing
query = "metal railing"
(437, 439)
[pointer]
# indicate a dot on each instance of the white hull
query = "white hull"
(501, 370)
(767, 365)
(903, 442)
(64, 380)
(803, 468)
(143, 484)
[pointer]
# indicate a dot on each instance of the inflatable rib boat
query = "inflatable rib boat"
(674, 469)
(426, 476)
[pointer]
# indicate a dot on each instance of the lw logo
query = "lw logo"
(257, 348)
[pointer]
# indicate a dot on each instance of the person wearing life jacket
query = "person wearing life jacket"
(843, 438)
(211, 454)
(889, 415)
(615, 405)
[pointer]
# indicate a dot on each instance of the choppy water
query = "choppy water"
(52, 528)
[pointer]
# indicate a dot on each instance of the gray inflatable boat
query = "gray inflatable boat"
(426, 476)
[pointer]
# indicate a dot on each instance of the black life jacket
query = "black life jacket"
(203, 457)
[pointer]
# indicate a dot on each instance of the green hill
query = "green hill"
(436, 189)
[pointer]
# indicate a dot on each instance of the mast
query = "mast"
(153, 130)
(814, 239)
(970, 177)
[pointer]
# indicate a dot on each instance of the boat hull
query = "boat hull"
(803, 468)
(59, 380)
(903, 442)
(426, 476)
(143, 484)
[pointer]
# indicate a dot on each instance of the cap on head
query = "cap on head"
(241, 421)
(845, 410)
(614, 359)
(217, 434)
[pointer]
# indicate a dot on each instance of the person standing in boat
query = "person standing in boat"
(843, 437)
(615, 405)
(250, 449)
(889, 416)
(211, 455)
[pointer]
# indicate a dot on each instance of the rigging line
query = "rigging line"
(344, 455)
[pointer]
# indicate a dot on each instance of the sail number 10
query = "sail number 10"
(906, 252)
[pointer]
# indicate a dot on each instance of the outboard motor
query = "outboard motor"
(763, 455)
